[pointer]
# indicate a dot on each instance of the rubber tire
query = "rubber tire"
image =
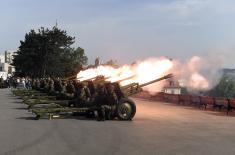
(133, 109)
(37, 117)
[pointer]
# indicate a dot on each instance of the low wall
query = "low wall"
(200, 101)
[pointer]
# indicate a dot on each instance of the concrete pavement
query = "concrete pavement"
(158, 128)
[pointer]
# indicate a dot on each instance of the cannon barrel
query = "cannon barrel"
(72, 78)
(88, 79)
(127, 78)
(79, 77)
(134, 88)
(129, 85)
(156, 80)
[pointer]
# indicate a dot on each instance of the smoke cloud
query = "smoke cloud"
(196, 74)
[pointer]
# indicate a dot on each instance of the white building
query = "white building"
(172, 87)
(6, 69)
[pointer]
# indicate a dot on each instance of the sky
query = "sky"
(128, 30)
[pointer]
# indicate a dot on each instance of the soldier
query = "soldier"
(1, 82)
(70, 90)
(14, 82)
(112, 101)
(97, 61)
(88, 92)
(64, 85)
(99, 102)
(33, 83)
(37, 84)
(58, 85)
(42, 83)
(76, 85)
(70, 87)
(46, 85)
(51, 86)
(28, 83)
(82, 94)
(62, 95)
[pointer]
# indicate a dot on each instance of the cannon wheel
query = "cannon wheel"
(37, 117)
(126, 109)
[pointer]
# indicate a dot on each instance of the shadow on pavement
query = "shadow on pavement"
(220, 113)
(26, 118)
(80, 118)
(17, 102)
(21, 108)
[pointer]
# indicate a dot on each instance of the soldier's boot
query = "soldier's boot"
(101, 114)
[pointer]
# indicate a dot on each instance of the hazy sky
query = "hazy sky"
(128, 30)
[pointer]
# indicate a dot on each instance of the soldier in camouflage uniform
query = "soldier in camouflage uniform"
(112, 101)
(46, 86)
(99, 102)
(33, 84)
(82, 95)
(58, 86)
(42, 84)
(70, 87)
(37, 84)
(51, 86)
(70, 90)
(76, 85)
(62, 95)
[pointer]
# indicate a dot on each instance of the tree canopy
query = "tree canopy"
(225, 88)
(48, 52)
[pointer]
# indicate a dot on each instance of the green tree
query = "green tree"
(225, 88)
(48, 53)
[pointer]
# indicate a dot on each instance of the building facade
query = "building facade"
(6, 69)
(172, 86)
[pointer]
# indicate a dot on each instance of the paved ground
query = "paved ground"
(158, 128)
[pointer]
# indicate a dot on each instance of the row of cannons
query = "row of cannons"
(93, 98)
(202, 102)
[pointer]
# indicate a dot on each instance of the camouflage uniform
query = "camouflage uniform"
(112, 101)
(37, 84)
(51, 89)
(82, 95)
(42, 83)
(33, 84)
(99, 102)
(70, 88)
(58, 85)
(46, 86)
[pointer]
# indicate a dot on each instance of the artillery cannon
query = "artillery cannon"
(124, 109)
(73, 77)
(135, 88)
(35, 98)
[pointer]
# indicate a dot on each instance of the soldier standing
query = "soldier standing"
(1, 82)
(97, 61)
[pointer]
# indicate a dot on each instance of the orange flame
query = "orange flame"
(142, 71)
